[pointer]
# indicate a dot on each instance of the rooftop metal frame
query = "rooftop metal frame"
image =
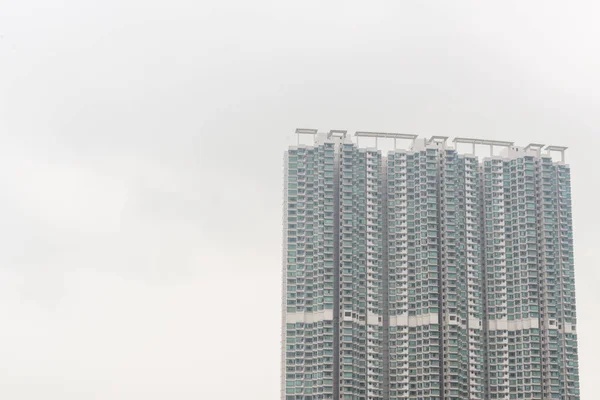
(537, 147)
(484, 142)
(387, 135)
(436, 138)
(337, 133)
(534, 146)
(560, 149)
(306, 131)
(303, 131)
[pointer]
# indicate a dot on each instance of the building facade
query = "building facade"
(427, 273)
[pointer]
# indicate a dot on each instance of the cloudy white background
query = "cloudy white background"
(141, 152)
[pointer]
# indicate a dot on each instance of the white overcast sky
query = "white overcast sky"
(141, 152)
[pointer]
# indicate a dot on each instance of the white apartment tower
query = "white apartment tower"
(427, 273)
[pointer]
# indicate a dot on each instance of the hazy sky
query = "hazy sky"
(141, 149)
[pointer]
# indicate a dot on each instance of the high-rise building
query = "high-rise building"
(427, 273)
